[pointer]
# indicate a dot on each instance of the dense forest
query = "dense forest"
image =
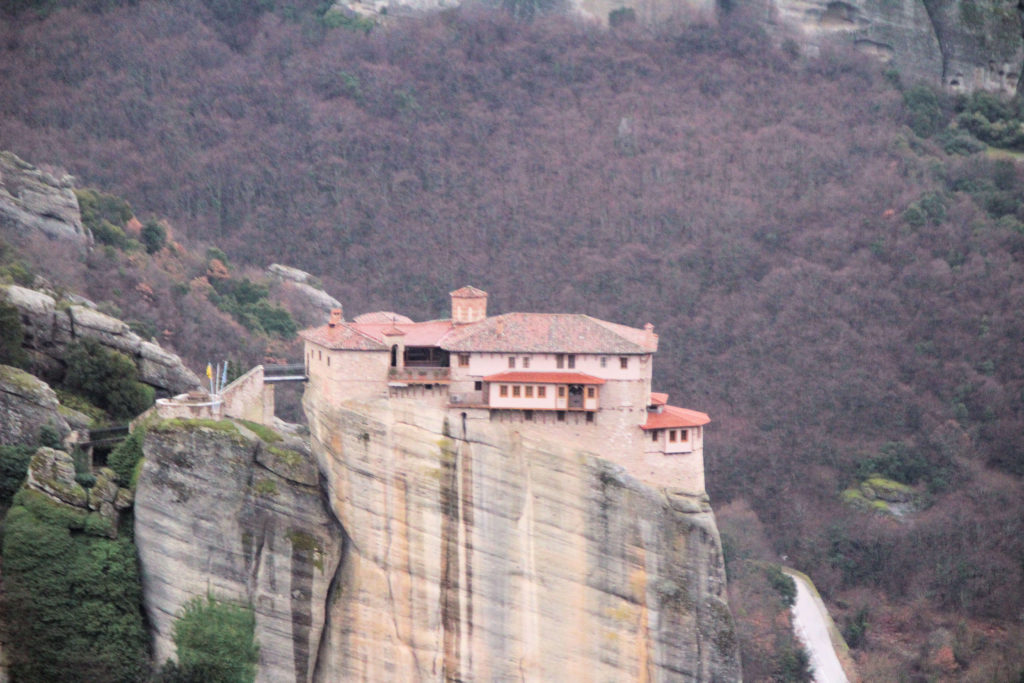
(831, 256)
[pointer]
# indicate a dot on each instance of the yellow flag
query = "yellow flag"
(209, 371)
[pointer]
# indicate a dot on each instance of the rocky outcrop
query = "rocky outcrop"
(478, 553)
(964, 45)
(49, 328)
(35, 200)
(26, 405)
(219, 512)
(307, 302)
(52, 473)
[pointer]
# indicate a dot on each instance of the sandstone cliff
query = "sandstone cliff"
(478, 553)
(32, 199)
(220, 512)
(49, 328)
(26, 404)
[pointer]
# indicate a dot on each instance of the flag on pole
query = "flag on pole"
(209, 371)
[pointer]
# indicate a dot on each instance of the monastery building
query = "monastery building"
(569, 378)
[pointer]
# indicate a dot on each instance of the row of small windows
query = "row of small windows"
(674, 435)
(527, 391)
(519, 390)
(562, 361)
(320, 357)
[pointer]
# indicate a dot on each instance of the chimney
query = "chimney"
(335, 318)
(649, 335)
(469, 305)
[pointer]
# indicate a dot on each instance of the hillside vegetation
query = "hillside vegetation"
(835, 272)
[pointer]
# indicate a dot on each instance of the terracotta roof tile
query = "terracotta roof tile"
(549, 333)
(342, 336)
(468, 292)
(672, 416)
(416, 334)
(524, 377)
(381, 317)
(658, 398)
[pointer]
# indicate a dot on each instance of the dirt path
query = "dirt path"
(811, 623)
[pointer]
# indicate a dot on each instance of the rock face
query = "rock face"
(477, 554)
(222, 514)
(49, 329)
(35, 200)
(26, 404)
(309, 303)
(52, 472)
(963, 45)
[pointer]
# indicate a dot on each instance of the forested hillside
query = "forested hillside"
(835, 275)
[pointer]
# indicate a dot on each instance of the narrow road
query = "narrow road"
(811, 622)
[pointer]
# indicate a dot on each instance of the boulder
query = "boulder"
(26, 405)
(34, 200)
(52, 472)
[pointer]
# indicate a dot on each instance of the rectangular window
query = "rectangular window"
(328, 360)
(528, 415)
(478, 386)
(319, 355)
(561, 416)
(572, 361)
(526, 361)
(529, 391)
(624, 362)
(511, 361)
(463, 360)
(654, 435)
(503, 391)
(684, 434)
(672, 434)
(590, 417)
(516, 390)
(604, 361)
(561, 392)
(542, 392)
(560, 361)
(591, 392)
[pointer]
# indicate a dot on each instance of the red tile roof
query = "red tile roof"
(469, 292)
(672, 416)
(525, 377)
(342, 336)
(550, 333)
(658, 399)
(427, 333)
(381, 317)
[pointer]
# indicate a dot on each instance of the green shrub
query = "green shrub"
(107, 378)
(924, 110)
(783, 584)
(77, 597)
(13, 466)
(124, 458)
(154, 236)
(12, 335)
(105, 216)
(247, 303)
(215, 641)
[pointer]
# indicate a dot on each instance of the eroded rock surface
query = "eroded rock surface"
(50, 328)
(26, 405)
(477, 553)
(35, 200)
(222, 514)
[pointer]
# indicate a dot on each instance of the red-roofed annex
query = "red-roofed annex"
(566, 376)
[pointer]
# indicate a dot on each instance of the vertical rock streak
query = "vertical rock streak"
(490, 555)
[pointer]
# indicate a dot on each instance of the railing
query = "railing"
(293, 372)
(107, 436)
(420, 374)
